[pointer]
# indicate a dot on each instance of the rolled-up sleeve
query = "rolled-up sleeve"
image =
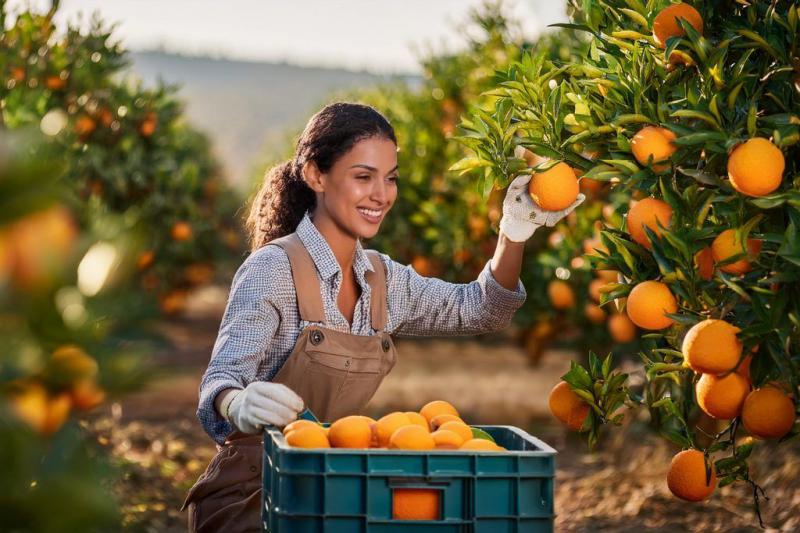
(427, 306)
(248, 325)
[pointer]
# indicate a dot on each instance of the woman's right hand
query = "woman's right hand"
(259, 404)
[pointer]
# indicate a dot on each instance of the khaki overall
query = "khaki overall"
(335, 373)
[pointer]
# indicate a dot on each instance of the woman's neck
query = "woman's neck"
(342, 243)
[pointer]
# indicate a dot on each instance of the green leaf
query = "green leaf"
(478, 433)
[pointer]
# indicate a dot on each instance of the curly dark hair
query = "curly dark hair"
(284, 196)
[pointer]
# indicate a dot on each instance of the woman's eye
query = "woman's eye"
(363, 176)
(394, 178)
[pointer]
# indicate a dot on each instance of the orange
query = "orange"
(756, 167)
(561, 295)
(412, 437)
(84, 126)
(41, 411)
(173, 302)
(621, 328)
(744, 367)
(648, 305)
(416, 418)
(71, 362)
(608, 276)
(86, 394)
(437, 407)
(480, 445)
(567, 406)
(459, 428)
(308, 437)
(687, 477)
(652, 145)
(350, 432)
(712, 347)
(554, 189)
(148, 126)
(145, 259)
(768, 413)
(438, 420)
(704, 262)
(446, 440)
(416, 504)
(665, 25)
(181, 231)
(594, 313)
(387, 425)
(297, 424)
(649, 212)
(594, 289)
(721, 397)
(726, 245)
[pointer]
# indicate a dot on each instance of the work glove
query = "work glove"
(522, 216)
(259, 404)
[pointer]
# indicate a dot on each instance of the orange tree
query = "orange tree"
(693, 112)
(69, 309)
(128, 149)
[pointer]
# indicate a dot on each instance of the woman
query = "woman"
(310, 313)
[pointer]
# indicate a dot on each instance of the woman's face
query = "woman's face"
(360, 188)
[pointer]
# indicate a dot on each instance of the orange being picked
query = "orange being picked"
(437, 407)
(653, 145)
(483, 445)
(387, 425)
(350, 432)
(726, 245)
(687, 478)
(561, 295)
(411, 437)
(768, 413)
(648, 305)
(567, 406)
(308, 437)
(446, 440)
(704, 262)
(554, 189)
(665, 25)
(722, 397)
(649, 212)
(712, 347)
(621, 328)
(459, 428)
(756, 167)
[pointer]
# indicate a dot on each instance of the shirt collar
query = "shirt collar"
(323, 256)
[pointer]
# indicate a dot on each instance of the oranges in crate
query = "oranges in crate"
(436, 426)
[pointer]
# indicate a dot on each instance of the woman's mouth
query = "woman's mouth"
(371, 215)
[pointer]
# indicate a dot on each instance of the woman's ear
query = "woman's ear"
(313, 176)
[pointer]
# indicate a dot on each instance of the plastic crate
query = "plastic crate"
(351, 491)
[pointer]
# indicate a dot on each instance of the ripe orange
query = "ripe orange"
(308, 437)
(686, 477)
(744, 367)
(71, 362)
(481, 445)
(712, 347)
(567, 406)
(181, 231)
(561, 295)
(387, 425)
(297, 424)
(554, 189)
(594, 313)
(704, 262)
(768, 413)
(145, 259)
(423, 266)
(173, 302)
(621, 328)
(437, 407)
(416, 504)
(350, 432)
(459, 428)
(41, 411)
(416, 418)
(446, 440)
(595, 287)
(148, 126)
(653, 145)
(665, 25)
(722, 397)
(412, 437)
(86, 394)
(648, 212)
(648, 305)
(726, 245)
(438, 420)
(84, 126)
(756, 167)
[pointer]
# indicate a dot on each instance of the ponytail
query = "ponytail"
(280, 204)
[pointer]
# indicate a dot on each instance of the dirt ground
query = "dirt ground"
(161, 449)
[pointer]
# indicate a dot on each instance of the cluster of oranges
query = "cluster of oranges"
(437, 426)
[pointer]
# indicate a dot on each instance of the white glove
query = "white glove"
(521, 215)
(259, 404)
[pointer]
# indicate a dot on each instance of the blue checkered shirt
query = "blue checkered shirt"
(261, 322)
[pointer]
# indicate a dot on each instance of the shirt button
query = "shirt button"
(316, 337)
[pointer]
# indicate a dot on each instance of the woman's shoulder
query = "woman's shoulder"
(267, 259)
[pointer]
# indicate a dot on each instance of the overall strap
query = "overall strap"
(377, 283)
(304, 274)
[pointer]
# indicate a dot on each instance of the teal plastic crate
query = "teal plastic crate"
(350, 491)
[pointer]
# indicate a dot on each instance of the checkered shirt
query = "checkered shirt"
(261, 322)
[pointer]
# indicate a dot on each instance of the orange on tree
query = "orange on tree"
(459, 428)
(648, 305)
(755, 167)
(308, 437)
(704, 263)
(437, 407)
(84, 126)
(416, 504)
(481, 445)
(145, 259)
(688, 478)
(411, 437)
(43, 412)
(173, 302)
(608, 276)
(350, 432)
(768, 413)
(148, 125)
(665, 25)
(653, 145)
(595, 287)
(567, 406)
(722, 396)
(649, 212)
(85, 394)
(561, 294)
(712, 347)
(621, 328)
(181, 231)
(446, 440)
(554, 189)
(594, 313)
(388, 424)
(726, 245)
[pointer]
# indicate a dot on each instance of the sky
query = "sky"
(375, 35)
